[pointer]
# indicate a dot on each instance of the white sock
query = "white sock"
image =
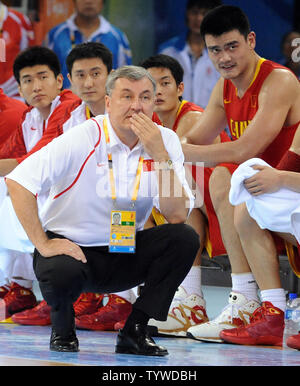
(276, 296)
(245, 284)
(23, 282)
(192, 281)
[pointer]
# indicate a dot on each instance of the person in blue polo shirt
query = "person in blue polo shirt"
(189, 50)
(87, 24)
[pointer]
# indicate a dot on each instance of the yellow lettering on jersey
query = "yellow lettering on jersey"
(238, 128)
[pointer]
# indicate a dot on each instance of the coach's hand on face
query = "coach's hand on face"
(150, 136)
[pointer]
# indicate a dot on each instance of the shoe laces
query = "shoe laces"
(256, 317)
(85, 298)
(259, 313)
(230, 310)
(113, 304)
(237, 308)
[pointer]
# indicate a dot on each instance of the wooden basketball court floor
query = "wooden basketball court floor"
(29, 346)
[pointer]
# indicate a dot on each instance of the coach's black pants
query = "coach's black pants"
(164, 256)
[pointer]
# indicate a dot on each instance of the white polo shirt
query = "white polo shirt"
(74, 169)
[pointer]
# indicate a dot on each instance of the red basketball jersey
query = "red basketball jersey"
(184, 108)
(240, 112)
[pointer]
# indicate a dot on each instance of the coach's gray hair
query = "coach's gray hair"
(127, 72)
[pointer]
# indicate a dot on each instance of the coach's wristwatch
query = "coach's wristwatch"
(165, 165)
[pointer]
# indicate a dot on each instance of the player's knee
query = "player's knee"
(242, 220)
(219, 185)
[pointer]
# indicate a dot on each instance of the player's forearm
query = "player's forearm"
(172, 197)
(26, 208)
(214, 154)
(290, 180)
(199, 153)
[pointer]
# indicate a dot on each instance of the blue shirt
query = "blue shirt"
(200, 75)
(63, 37)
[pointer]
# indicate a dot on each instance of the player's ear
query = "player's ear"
(60, 81)
(251, 39)
(180, 89)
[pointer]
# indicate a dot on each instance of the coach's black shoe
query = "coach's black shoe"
(66, 344)
(137, 341)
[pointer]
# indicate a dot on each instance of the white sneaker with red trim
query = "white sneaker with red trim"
(236, 313)
(185, 311)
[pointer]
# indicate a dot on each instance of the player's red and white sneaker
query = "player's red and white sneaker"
(87, 303)
(17, 299)
(4, 290)
(105, 318)
(294, 341)
(237, 313)
(265, 328)
(185, 311)
(40, 315)
(36, 316)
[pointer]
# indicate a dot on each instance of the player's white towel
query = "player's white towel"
(278, 211)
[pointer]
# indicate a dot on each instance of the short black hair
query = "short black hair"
(34, 56)
(225, 18)
(90, 50)
(165, 61)
(203, 4)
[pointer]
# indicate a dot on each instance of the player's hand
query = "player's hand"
(150, 136)
(54, 247)
(267, 180)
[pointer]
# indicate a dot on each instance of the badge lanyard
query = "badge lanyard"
(122, 235)
(87, 112)
(111, 172)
